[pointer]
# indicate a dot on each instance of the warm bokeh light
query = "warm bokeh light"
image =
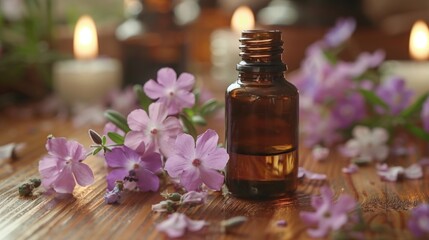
(85, 44)
(419, 41)
(242, 19)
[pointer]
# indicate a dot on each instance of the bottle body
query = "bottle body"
(262, 133)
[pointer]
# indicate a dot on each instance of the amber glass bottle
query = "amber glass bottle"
(261, 121)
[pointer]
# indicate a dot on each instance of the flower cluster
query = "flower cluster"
(336, 96)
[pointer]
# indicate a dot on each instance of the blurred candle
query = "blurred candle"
(224, 45)
(86, 79)
(415, 73)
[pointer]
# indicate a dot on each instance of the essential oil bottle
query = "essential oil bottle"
(261, 121)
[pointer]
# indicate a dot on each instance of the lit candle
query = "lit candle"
(415, 73)
(224, 45)
(86, 79)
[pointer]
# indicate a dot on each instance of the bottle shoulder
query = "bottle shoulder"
(281, 87)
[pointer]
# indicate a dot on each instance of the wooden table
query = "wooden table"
(86, 216)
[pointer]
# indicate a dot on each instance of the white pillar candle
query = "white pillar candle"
(86, 79)
(415, 73)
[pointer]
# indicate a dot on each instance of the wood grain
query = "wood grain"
(85, 215)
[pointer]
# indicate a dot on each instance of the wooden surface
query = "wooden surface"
(86, 216)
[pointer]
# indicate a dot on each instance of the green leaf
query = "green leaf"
(97, 150)
(210, 106)
(117, 138)
(417, 131)
(144, 100)
(103, 140)
(373, 99)
(189, 126)
(197, 119)
(118, 119)
(415, 107)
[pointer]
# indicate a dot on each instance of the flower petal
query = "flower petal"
(48, 166)
(185, 147)
(65, 182)
(151, 161)
(172, 126)
(167, 77)
(174, 226)
(414, 171)
(83, 174)
(213, 179)
(186, 81)
(206, 143)
(184, 99)
(195, 225)
(191, 178)
(175, 165)
(309, 218)
(138, 120)
(147, 180)
(75, 150)
(158, 112)
(217, 159)
(135, 139)
(115, 175)
(153, 90)
(57, 147)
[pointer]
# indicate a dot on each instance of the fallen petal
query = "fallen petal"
(352, 168)
(392, 174)
(414, 171)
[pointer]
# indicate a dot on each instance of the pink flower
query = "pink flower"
(177, 223)
(200, 164)
(63, 165)
(328, 215)
(156, 130)
(392, 174)
(139, 167)
(175, 94)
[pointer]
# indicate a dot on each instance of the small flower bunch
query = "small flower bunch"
(156, 138)
(336, 96)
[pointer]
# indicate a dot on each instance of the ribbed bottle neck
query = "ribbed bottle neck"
(261, 51)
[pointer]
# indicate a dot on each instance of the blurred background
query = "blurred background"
(196, 36)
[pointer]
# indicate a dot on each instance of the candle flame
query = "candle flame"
(419, 41)
(242, 19)
(85, 44)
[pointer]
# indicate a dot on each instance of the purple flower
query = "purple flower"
(156, 130)
(177, 224)
(328, 215)
(395, 94)
(425, 115)
(63, 166)
(342, 31)
(174, 92)
(348, 110)
(419, 221)
(197, 164)
(139, 167)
